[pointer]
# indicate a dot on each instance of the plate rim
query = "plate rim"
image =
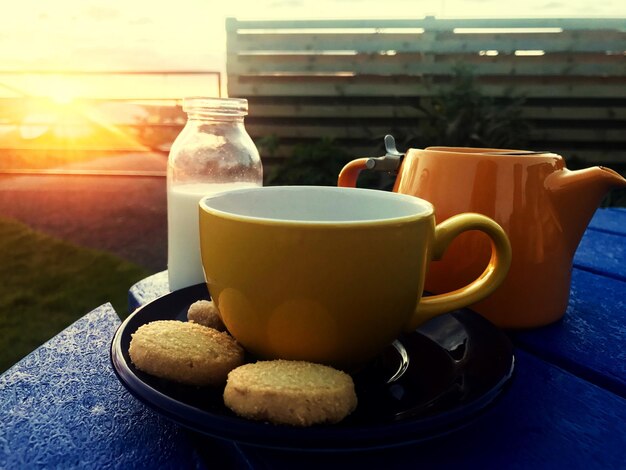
(378, 436)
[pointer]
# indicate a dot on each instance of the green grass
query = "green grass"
(46, 284)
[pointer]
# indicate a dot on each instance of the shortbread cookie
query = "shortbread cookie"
(204, 312)
(290, 392)
(185, 352)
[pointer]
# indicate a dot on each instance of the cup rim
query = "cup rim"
(427, 208)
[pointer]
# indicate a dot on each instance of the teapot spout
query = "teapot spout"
(577, 194)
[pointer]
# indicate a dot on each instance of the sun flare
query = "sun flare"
(62, 91)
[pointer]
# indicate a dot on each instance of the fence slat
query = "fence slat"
(437, 43)
(431, 23)
(394, 87)
(415, 64)
(364, 130)
(408, 111)
(370, 148)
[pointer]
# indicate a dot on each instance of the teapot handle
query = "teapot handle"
(350, 173)
(389, 162)
(491, 278)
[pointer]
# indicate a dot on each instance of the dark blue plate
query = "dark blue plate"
(426, 384)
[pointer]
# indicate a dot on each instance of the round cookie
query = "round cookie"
(204, 312)
(290, 392)
(185, 352)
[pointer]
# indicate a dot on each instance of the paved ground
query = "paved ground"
(124, 215)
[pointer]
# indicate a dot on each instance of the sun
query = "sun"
(63, 98)
(63, 95)
(62, 91)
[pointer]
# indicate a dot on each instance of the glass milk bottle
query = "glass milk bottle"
(213, 153)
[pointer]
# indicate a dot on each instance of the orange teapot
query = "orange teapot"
(542, 206)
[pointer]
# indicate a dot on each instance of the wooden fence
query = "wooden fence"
(356, 80)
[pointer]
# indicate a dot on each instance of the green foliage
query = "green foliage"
(458, 116)
(268, 145)
(317, 164)
(461, 116)
(47, 284)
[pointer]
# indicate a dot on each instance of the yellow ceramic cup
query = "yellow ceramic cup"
(331, 275)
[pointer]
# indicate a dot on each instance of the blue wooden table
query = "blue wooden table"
(63, 407)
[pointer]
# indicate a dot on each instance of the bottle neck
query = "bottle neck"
(220, 110)
(209, 118)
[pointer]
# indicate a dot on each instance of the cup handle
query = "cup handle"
(493, 275)
(350, 172)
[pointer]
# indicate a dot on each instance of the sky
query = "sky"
(189, 34)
